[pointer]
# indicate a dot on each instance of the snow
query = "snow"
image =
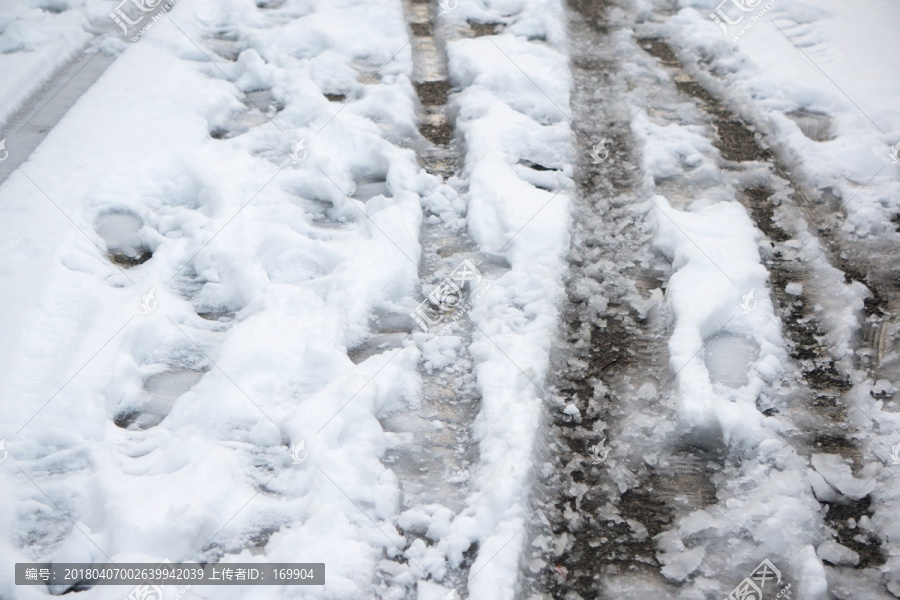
(288, 271)
(836, 472)
(714, 253)
(679, 561)
(35, 40)
(837, 554)
(837, 69)
(509, 110)
(197, 249)
(812, 78)
(221, 219)
(813, 584)
(727, 353)
(794, 289)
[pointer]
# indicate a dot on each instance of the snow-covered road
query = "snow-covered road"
(769, 438)
(493, 300)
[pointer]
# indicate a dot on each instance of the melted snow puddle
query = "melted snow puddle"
(371, 186)
(262, 107)
(324, 222)
(264, 101)
(219, 313)
(429, 463)
(320, 214)
(684, 478)
(163, 390)
(729, 358)
(53, 6)
(120, 230)
(377, 344)
(226, 45)
(546, 178)
(432, 88)
(816, 126)
(390, 331)
(885, 342)
(491, 266)
(211, 300)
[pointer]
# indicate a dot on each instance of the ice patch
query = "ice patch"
(836, 554)
(729, 358)
(835, 470)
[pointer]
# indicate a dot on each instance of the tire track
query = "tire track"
(605, 516)
(603, 512)
(782, 210)
(46, 107)
(433, 465)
